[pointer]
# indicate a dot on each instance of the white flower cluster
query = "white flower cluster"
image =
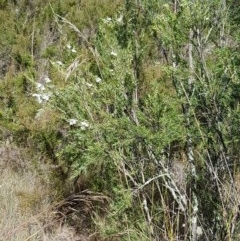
(107, 20)
(89, 85)
(113, 53)
(47, 79)
(42, 96)
(72, 49)
(120, 19)
(72, 122)
(40, 87)
(60, 63)
(98, 80)
(83, 124)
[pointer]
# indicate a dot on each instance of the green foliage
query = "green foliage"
(103, 98)
(135, 89)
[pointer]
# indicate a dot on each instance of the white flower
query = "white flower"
(98, 80)
(113, 53)
(60, 63)
(41, 97)
(40, 87)
(84, 125)
(72, 122)
(89, 85)
(45, 97)
(120, 19)
(111, 71)
(107, 20)
(47, 79)
(74, 50)
(69, 46)
(38, 96)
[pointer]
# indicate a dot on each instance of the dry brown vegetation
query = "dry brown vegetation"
(27, 206)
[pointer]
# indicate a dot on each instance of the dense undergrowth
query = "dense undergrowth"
(119, 120)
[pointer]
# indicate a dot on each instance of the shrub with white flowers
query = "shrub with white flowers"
(72, 122)
(98, 80)
(42, 94)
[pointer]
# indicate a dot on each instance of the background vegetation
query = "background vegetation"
(119, 120)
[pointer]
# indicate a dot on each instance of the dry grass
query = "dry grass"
(27, 201)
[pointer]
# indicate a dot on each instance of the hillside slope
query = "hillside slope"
(119, 120)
